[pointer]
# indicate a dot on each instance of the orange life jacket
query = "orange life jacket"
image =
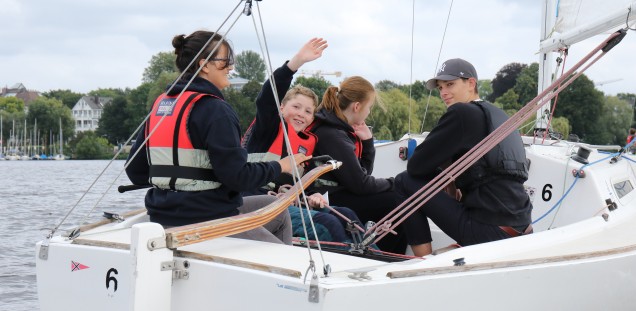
(174, 162)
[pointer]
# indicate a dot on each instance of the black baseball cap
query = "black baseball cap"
(452, 69)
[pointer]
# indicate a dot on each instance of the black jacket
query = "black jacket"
(336, 140)
(501, 201)
(266, 125)
(213, 126)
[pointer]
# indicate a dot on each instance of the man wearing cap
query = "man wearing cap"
(491, 203)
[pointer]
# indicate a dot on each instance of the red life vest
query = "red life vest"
(174, 162)
(301, 142)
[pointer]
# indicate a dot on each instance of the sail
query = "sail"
(577, 20)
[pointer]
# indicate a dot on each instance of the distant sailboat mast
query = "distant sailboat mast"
(61, 144)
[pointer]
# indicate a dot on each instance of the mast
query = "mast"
(61, 144)
(548, 10)
(1, 136)
(553, 38)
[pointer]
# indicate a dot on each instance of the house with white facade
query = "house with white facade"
(87, 112)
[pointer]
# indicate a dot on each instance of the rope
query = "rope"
(295, 173)
(419, 198)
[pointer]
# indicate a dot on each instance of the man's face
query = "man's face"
(456, 91)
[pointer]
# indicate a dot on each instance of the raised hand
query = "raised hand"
(308, 52)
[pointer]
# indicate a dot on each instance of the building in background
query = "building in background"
(20, 91)
(87, 112)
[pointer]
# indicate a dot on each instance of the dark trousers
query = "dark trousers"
(373, 207)
(447, 213)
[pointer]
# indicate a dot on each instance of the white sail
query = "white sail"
(577, 20)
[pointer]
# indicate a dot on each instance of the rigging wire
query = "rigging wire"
(439, 54)
(141, 125)
(411, 72)
(564, 52)
(629, 11)
(423, 195)
(295, 173)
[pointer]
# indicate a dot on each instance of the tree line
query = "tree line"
(581, 109)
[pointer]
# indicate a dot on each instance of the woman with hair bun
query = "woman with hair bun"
(343, 134)
(194, 159)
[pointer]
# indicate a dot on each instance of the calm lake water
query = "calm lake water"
(34, 197)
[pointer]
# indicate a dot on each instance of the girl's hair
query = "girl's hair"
(352, 89)
(186, 48)
(301, 90)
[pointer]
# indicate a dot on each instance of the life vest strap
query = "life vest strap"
(185, 172)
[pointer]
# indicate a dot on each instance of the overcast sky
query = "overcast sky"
(84, 45)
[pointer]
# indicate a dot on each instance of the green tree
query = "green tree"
(505, 79)
(251, 89)
(417, 90)
(561, 125)
(526, 86)
(11, 104)
(68, 97)
(509, 102)
(485, 88)
(614, 122)
(433, 108)
(245, 108)
(249, 65)
(158, 64)
(137, 107)
(318, 85)
(386, 85)
(110, 123)
(394, 117)
(582, 105)
(158, 87)
(109, 92)
(48, 113)
(91, 146)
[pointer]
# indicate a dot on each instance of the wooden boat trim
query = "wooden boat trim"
(107, 221)
(508, 264)
(199, 256)
(238, 263)
(195, 233)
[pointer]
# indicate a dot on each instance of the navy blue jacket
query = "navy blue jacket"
(266, 125)
(213, 126)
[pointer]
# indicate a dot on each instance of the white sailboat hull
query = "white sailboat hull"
(585, 261)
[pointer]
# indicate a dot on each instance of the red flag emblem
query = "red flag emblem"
(75, 266)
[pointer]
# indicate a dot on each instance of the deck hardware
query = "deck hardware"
(157, 243)
(581, 155)
(611, 206)
(605, 216)
(578, 173)
(179, 269)
(113, 216)
(403, 152)
(44, 252)
(459, 261)
(360, 276)
(313, 290)
(73, 234)
(326, 270)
